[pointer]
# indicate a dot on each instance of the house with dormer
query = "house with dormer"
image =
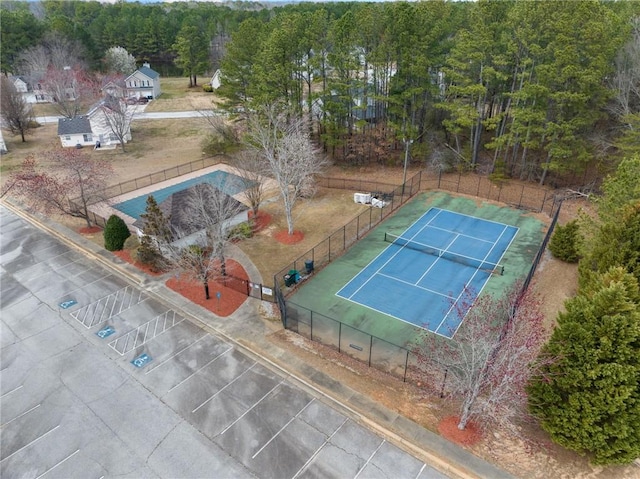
(30, 88)
(143, 83)
(93, 128)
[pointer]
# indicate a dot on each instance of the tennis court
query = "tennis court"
(391, 314)
(422, 275)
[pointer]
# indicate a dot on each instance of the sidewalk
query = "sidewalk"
(248, 331)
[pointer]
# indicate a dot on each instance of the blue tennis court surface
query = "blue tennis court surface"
(421, 277)
(229, 183)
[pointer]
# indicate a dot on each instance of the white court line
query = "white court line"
(437, 259)
(384, 251)
(18, 417)
(200, 369)
(388, 260)
(393, 278)
(9, 392)
(32, 442)
(177, 353)
(251, 408)
(462, 234)
(51, 468)
(369, 459)
(317, 451)
(470, 280)
(282, 428)
(225, 386)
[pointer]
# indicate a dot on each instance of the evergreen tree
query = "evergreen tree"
(588, 399)
(564, 242)
(156, 231)
(115, 233)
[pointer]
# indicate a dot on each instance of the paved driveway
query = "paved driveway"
(99, 379)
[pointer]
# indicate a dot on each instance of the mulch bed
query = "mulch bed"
(260, 221)
(284, 237)
(468, 436)
(229, 301)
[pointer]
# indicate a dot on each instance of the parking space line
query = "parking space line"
(177, 353)
(32, 442)
(18, 417)
(226, 386)
(115, 303)
(251, 408)
(420, 471)
(369, 460)
(169, 319)
(9, 392)
(317, 451)
(200, 369)
(51, 468)
(282, 429)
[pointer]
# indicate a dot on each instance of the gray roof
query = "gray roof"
(149, 72)
(73, 126)
(174, 209)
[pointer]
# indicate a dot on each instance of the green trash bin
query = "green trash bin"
(288, 280)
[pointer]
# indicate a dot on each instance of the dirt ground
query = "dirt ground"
(161, 144)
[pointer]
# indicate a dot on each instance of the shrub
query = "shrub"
(116, 233)
(241, 231)
(132, 242)
(564, 242)
(207, 87)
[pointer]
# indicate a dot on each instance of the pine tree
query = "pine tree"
(588, 399)
(156, 230)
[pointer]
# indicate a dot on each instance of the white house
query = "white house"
(216, 80)
(143, 83)
(91, 129)
(31, 89)
(3, 145)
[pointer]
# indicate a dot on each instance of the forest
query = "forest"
(539, 91)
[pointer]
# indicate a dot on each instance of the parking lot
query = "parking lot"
(101, 379)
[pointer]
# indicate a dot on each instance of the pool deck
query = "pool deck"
(105, 208)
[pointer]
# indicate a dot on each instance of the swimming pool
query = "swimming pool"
(228, 182)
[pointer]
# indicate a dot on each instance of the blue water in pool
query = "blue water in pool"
(229, 183)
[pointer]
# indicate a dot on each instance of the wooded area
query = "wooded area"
(542, 91)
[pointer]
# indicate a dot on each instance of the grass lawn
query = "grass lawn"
(177, 96)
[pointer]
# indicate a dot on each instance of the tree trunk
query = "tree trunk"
(206, 290)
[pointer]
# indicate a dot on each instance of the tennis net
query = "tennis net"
(493, 268)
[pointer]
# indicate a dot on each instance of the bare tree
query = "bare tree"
(489, 360)
(66, 182)
(70, 90)
(17, 116)
(250, 168)
(203, 220)
(282, 140)
(56, 52)
(625, 81)
(117, 117)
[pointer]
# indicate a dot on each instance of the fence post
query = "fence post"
(406, 366)
(370, 348)
(340, 337)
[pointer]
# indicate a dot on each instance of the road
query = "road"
(142, 115)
